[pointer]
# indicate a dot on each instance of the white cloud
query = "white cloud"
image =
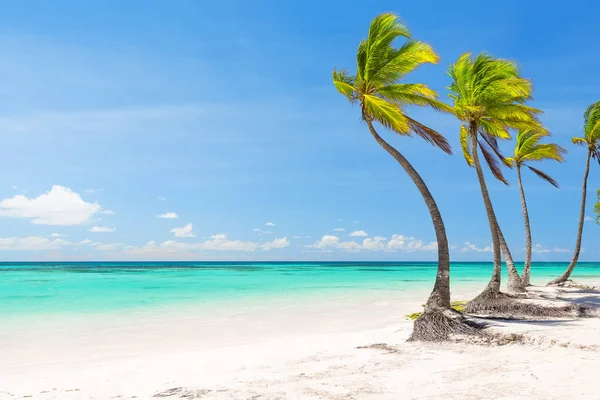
(410, 244)
(301, 237)
(160, 198)
(107, 212)
(538, 248)
(276, 244)
(377, 243)
(59, 206)
(359, 233)
(168, 215)
(339, 230)
(588, 218)
(269, 224)
(261, 232)
(185, 231)
(221, 242)
(31, 243)
(101, 229)
(14, 187)
(561, 250)
(91, 191)
(58, 235)
(471, 247)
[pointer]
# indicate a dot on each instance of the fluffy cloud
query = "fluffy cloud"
(359, 233)
(471, 247)
(58, 235)
(538, 248)
(221, 242)
(280, 243)
(107, 212)
(92, 191)
(339, 230)
(185, 231)
(101, 229)
(31, 243)
(377, 243)
(561, 250)
(588, 218)
(59, 206)
(269, 224)
(300, 237)
(168, 215)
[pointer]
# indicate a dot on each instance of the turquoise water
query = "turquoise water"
(43, 288)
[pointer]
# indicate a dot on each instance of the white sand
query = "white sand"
(293, 351)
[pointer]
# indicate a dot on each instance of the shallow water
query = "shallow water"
(89, 288)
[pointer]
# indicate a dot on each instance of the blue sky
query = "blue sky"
(224, 114)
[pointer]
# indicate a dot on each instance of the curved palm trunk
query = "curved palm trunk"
(526, 275)
(439, 299)
(493, 286)
(567, 274)
(515, 284)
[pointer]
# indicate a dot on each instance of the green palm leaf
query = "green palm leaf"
(376, 88)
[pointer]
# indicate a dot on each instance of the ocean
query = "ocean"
(30, 289)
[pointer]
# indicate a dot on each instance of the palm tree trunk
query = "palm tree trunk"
(526, 275)
(439, 299)
(493, 286)
(515, 284)
(563, 278)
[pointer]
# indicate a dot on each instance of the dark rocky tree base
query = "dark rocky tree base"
(440, 325)
(506, 306)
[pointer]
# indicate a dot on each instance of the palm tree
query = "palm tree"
(529, 149)
(382, 99)
(590, 139)
(489, 98)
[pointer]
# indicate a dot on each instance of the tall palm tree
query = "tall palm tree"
(382, 99)
(489, 98)
(529, 149)
(590, 139)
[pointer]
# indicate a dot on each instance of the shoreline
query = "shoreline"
(286, 352)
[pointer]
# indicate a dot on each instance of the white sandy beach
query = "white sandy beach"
(294, 351)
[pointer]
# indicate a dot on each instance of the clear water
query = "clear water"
(48, 288)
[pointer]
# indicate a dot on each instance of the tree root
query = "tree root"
(441, 325)
(503, 305)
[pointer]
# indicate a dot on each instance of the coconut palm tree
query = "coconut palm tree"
(489, 99)
(375, 89)
(591, 140)
(529, 149)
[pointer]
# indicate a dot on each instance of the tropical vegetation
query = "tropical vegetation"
(529, 149)
(490, 98)
(590, 140)
(382, 100)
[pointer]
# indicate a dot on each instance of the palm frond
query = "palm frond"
(544, 176)
(465, 144)
(492, 162)
(492, 142)
(377, 49)
(400, 62)
(387, 114)
(344, 83)
(579, 141)
(413, 94)
(431, 136)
